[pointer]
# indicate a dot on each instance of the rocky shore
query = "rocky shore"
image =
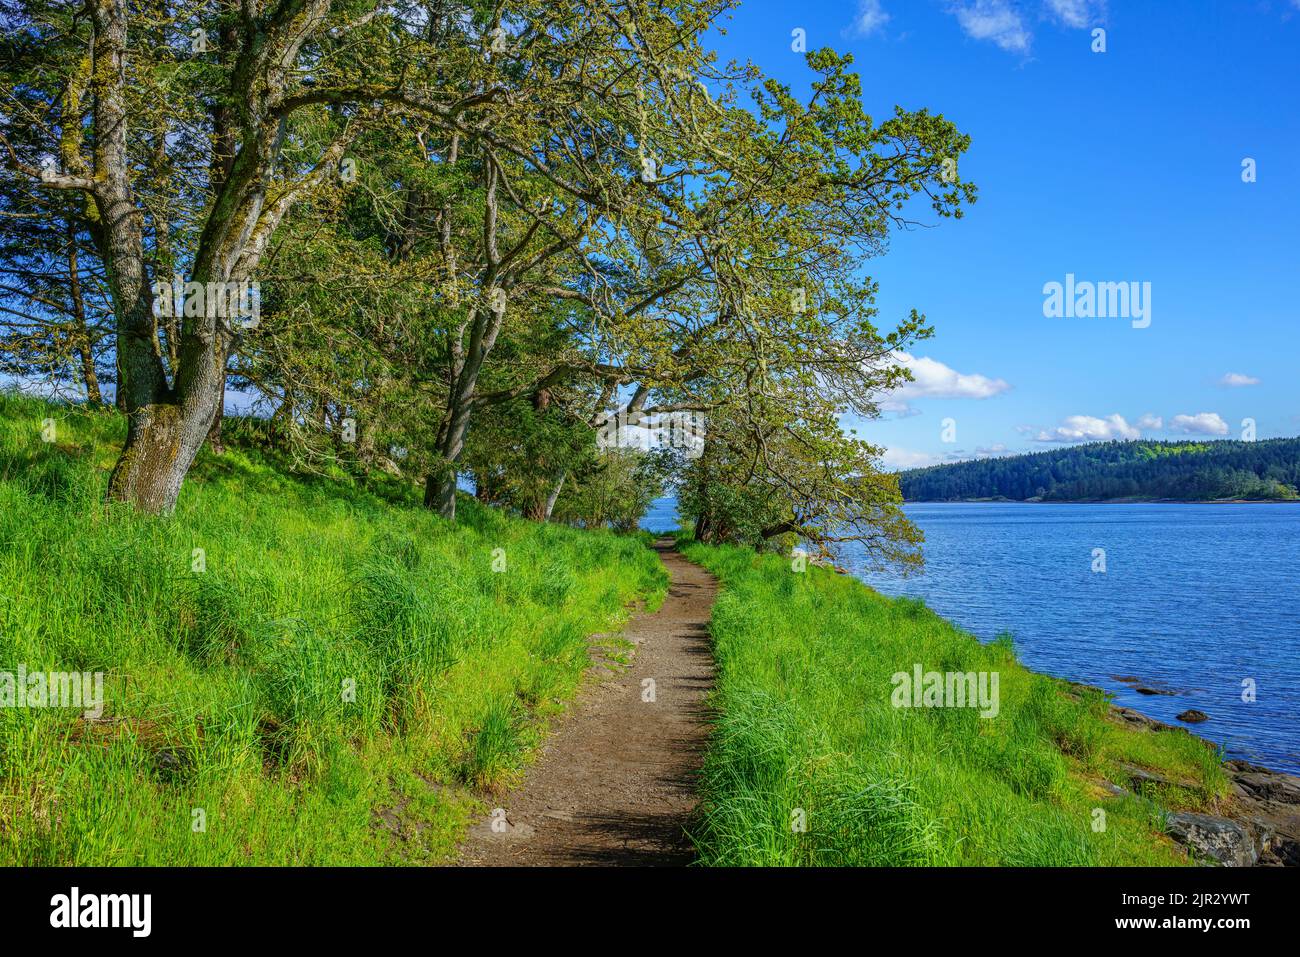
(1258, 824)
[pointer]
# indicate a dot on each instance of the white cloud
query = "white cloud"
(1001, 21)
(1088, 428)
(994, 20)
(1235, 379)
(931, 379)
(1202, 423)
(1150, 421)
(898, 459)
(870, 18)
(1078, 13)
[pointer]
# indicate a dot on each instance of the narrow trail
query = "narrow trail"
(615, 783)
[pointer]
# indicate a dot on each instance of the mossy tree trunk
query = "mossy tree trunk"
(170, 412)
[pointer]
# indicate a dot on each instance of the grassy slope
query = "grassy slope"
(806, 722)
(226, 687)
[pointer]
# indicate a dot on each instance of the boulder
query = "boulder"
(1192, 716)
(1214, 838)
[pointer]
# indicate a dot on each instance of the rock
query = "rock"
(1079, 688)
(1238, 765)
(1140, 686)
(1215, 838)
(1141, 777)
(1265, 785)
(1134, 718)
(1192, 716)
(1269, 802)
(1262, 828)
(1282, 852)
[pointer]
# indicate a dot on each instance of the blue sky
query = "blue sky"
(1122, 166)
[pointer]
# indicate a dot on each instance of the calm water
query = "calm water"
(661, 516)
(1194, 599)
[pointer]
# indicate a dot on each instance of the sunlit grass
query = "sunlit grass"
(345, 681)
(807, 736)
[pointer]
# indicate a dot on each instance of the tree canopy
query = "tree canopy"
(455, 240)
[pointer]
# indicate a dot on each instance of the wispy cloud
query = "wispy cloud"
(1003, 21)
(995, 20)
(1202, 423)
(1077, 13)
(1149, 421)
(1236, 379)
(871, 16)
(899, 459)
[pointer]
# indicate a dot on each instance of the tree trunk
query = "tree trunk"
(214, 432)
(484, 326)
(168, 421)
(88, 375)
(281, 420)
(161, 442)
(166, 427)
(163, 434)
(555, 494)
(440, 488)
(221, 162)
(780, 528)
(85, 350)
(440, 494)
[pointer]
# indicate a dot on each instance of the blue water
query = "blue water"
(1194, 599)
(661, 516)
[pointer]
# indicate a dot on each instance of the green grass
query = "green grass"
(806, 734)
(347, 681)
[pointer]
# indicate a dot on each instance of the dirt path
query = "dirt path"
(615, 783)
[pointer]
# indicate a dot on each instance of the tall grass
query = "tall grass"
(297, 671)
(811, 764)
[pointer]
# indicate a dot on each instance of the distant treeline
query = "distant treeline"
(1101, 471)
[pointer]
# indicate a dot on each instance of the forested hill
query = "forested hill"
(1105, 471)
